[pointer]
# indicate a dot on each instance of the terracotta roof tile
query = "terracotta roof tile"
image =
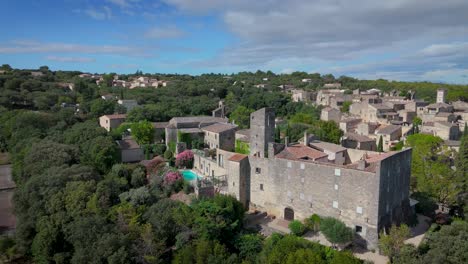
(237, 157)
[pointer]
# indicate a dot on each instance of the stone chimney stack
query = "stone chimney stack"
(286, 141)
(362, 163)
(306, 138)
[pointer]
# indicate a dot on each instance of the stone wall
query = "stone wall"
(310, 188)
(262, 131)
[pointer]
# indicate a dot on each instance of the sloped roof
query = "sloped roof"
(237, 157)
(322, 146)
(300, 152)
(116, 116)
(357, 137)
(219, 127)
(388, 129)
(126, 144)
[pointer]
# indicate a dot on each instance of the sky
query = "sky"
(408, 40)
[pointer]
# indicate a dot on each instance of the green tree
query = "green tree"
(249, 245)
(336, 231)
(345, 107)
(380, 144)
(313, 223)
(430, 168)
(461, 161)
(448, 245)
(297, 228)
(392, 243)
(241, 116)
(143, 132)
(417, 122)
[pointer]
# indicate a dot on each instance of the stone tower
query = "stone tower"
(262, 131)
(441, 93)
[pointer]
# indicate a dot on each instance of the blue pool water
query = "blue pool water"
(189, 175)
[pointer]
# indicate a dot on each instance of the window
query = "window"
(301, 196)
(387, 209)
(258, 170)
(233, 183)
(261, 187)
(289, 176)
(289, 164)
(359, 210)
(302, 180)
(302, 166)
(335, 204)
(337, 172)
(289, 193)
(336, 186)
(358, 229)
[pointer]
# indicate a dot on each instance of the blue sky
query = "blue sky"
(413, 40)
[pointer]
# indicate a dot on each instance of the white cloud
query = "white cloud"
(99, 14)
(40, 47)
(165, 32)
(397, 38)
(70, 59)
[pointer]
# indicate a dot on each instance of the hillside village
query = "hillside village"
(289, 149)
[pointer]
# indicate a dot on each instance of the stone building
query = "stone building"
(297, 180)
(390, 134)
(366, 190)
(189, 125)
(330, 114)
(130, 151)
(444, 130)
(262, 131)
(356, 141)
(110, 122)
(220, 135)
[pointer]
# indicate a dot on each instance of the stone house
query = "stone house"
(349, 124)
(330, 114)
(444, 130)
(190, 125)
(130, 151)
(366, 128)
(301, 95)
(220, 135)
(356, 141)
(110, 122)
(391, 134)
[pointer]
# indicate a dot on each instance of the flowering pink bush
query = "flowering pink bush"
(185, 159)
(172, 176)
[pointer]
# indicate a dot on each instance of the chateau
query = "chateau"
(367, 190)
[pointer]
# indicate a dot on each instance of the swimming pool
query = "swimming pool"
(189, 175)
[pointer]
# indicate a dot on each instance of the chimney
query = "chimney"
(286, 141)
(362, 163)
(306, 138)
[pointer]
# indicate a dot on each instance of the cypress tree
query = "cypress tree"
(380, 145)
(461, 161)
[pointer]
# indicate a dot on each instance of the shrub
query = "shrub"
(313, 223)
(336, 231)
(171, 177)
(297, 228)
(168, 154)
(155, 166)
(185, 159)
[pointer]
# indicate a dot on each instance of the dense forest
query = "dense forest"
(76, 204)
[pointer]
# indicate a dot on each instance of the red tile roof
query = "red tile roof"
(116, 116)
(237, 157)
(300, 152)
